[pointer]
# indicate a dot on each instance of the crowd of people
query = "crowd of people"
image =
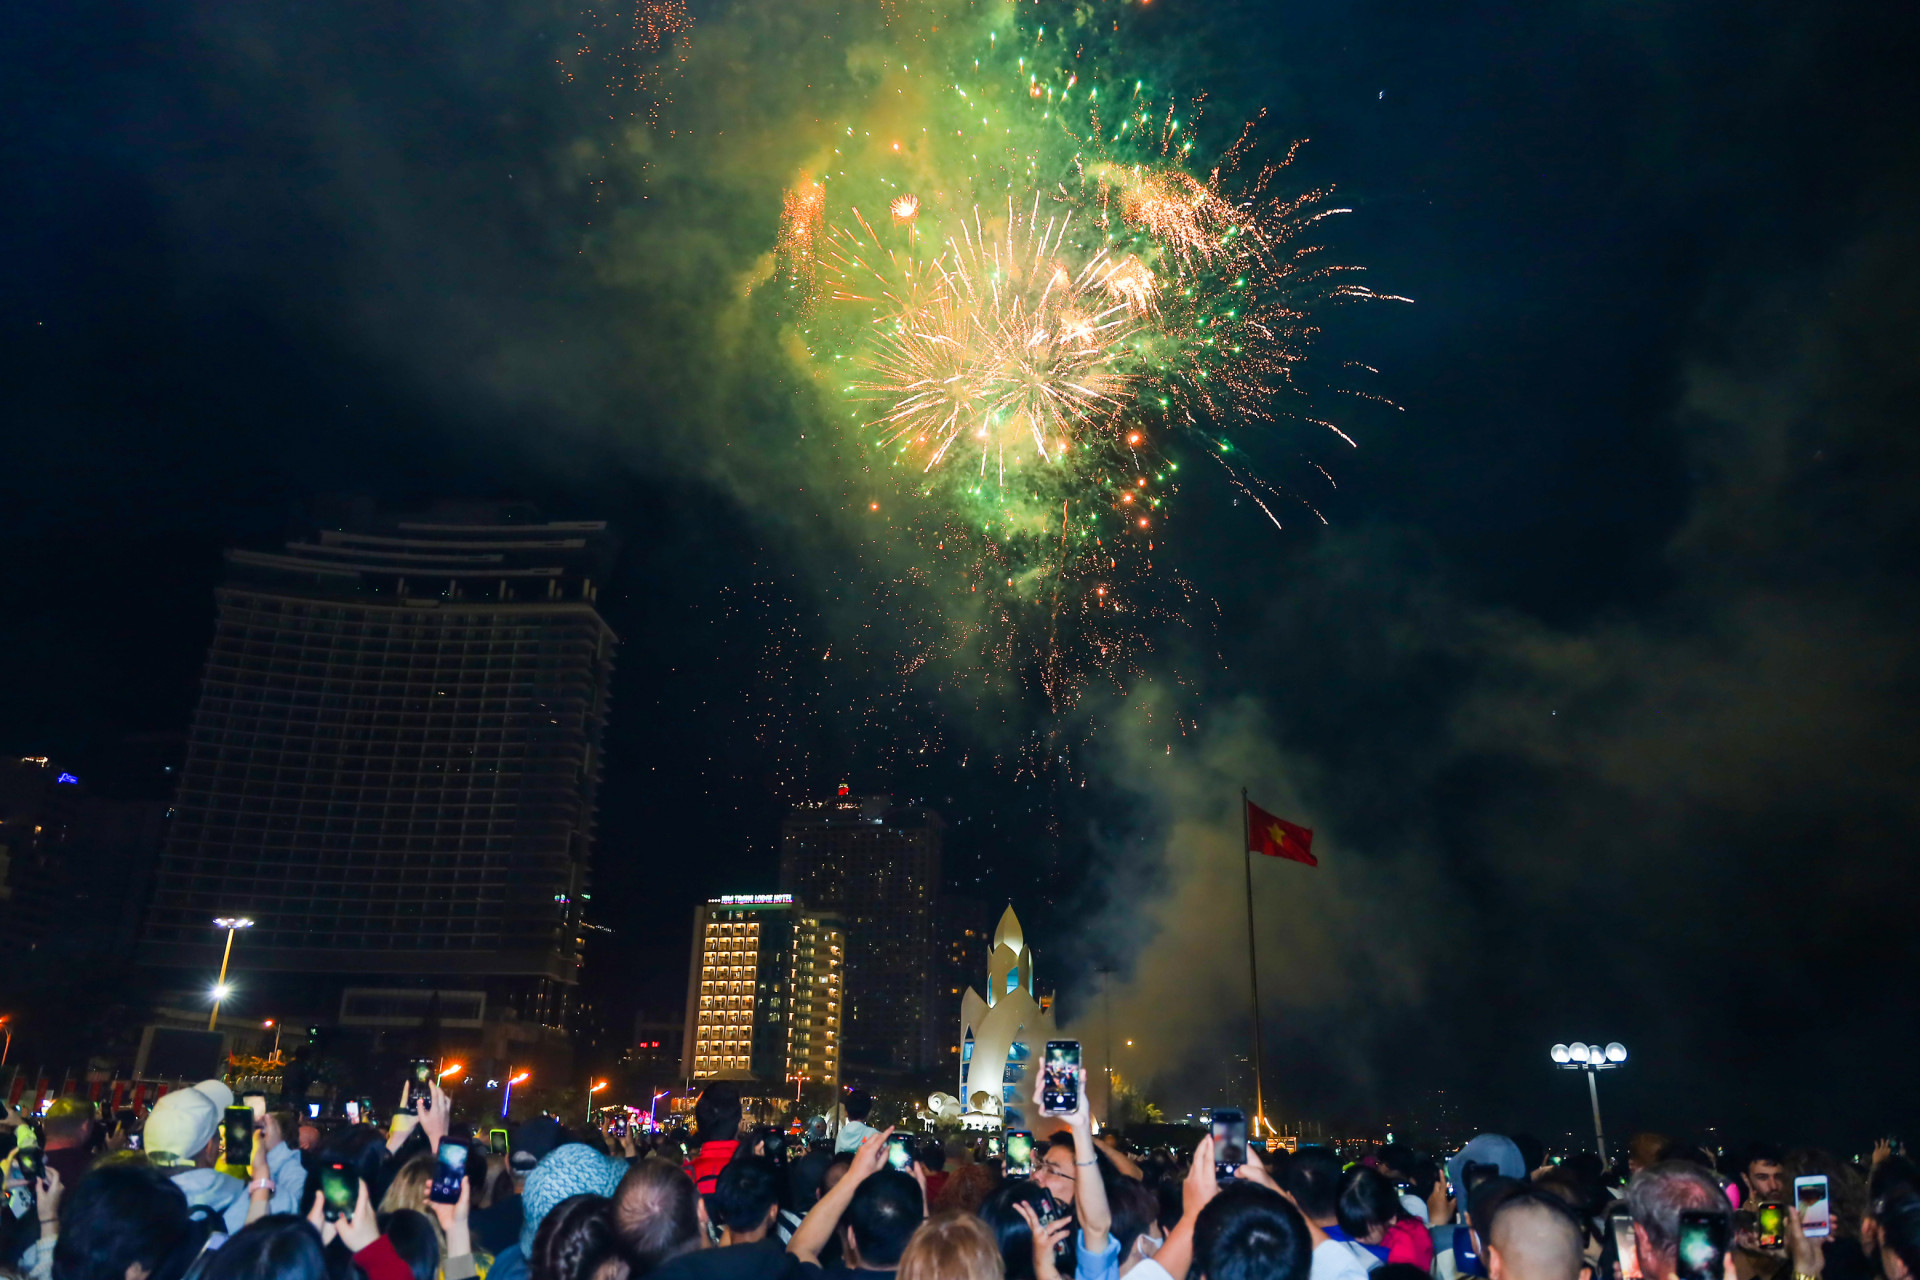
(732, 1201)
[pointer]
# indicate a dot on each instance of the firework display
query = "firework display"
(1030, 303)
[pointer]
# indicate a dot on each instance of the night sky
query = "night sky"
(1598, 686)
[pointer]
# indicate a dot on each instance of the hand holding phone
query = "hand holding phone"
(1701, 1252)
(1060, 1078)
(1625, 1247)
(1812, 1206)
(239, 1137)
(1019, 1154)
(1770, 1225)
(449, 1171)
(1229, 1141)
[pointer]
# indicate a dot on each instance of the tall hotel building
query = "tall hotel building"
(878, 868)
(765, 992)
(392, 771)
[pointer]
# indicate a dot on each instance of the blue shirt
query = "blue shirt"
(1097, 1266)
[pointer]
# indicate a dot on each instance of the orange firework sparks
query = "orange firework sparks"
(906, 208)
(802, 215)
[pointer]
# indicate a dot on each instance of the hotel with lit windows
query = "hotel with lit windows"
(765, 993)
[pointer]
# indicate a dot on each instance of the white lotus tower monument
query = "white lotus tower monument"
(1004, 1036)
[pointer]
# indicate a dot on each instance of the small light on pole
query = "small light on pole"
(1592, 1059)
(592, 1089)
(232, 924)
(506, 1095)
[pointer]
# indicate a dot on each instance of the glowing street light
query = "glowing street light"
(592, 1089)
(232, 924)
(453, 1070)
(275, 1027)
(1592, 1059)
(506, 1094)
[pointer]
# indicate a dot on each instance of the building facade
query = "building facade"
(392, 770)
(765, 993)
(878, 868)
(1003, 1036)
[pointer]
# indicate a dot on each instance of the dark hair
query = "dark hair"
(931, 1153)
(280, 1246)
(415, 1240)
(883, 1213)
(1367, 1202)
(1172, 1201)
(653, 1214)
(1760, 1153)
(717, 1113)
(362, 1149)
(1010, 1230)
(804, 1177)
(1135, 1208)
(1249, 1233)
(859, 1104)
(1892, 1175)
(1899, 1219)
(745, 1190)
(1312, 1178)
(1398, 1271)
(118, 1215)
(574, 1238)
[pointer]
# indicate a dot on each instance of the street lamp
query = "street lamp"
(653, 1119)
(1592, 1059)
(275, 1025)
(506, 1095)
(232, 924)
(592, 1089)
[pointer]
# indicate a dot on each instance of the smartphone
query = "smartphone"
(339, 1190)
(353, 1112)
(1019, 1154)
(239, 1127)
(313, 1110)
(420, 1083)
(497, 1141)
(31, 1166)
(993, 1147)
(777, 1147)
(1770, 1224)
(449, 1171)
(1229, 1140)
(1705, 1235)
(1816, 1211)
(257, 1103)
(1060, 1079)
(1049, 1210)
(1625, 1247)
(900, 1152)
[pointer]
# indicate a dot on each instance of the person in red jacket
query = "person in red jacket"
(716, 1117)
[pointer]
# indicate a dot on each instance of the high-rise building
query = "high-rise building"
(392, 771)
(764, 992)
(878, 867)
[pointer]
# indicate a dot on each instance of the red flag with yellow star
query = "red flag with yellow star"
(1278, 838)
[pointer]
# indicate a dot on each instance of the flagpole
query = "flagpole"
(1253, 978)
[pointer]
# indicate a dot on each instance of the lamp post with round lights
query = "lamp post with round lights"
(1592, 1059)
(232, 924)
